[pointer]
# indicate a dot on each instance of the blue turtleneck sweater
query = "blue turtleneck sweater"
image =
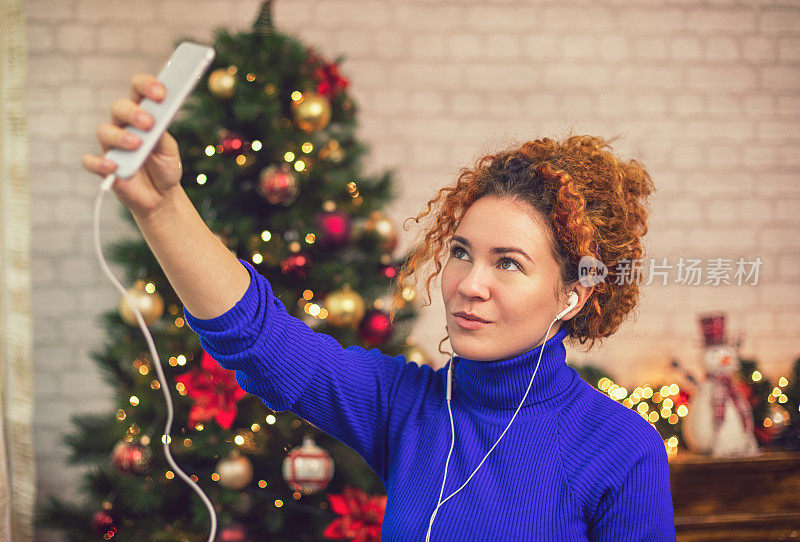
(574, 465)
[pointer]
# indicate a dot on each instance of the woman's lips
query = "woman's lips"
(470, 324)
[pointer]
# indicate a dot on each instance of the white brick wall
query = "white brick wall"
(705, 93)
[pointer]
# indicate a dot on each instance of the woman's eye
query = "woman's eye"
(455, 249)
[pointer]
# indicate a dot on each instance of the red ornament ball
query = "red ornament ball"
(233, 533)
(103, 523)
(232, 143)
(389, 271)
(307, 468)
(278, 185)
(375, 328)
(131, 458)
(334, 228)
(296, 265)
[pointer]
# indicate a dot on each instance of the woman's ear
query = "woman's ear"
(584, 292)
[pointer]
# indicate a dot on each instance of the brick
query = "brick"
(788, 157)
(646, 76)
(502, 77)
(46, 10)
(778, 130)
(721, 20)
(565, 76)
(466, 103)
(355, 44)
(722, 105)
(720, 130)
(722, 211)
(780, 20)
(711, 184)
(40, 36)
(490, 17)
(780, 295)
(52, 69)
(685, 48)
(112, 69)
(759, 105)
(464, 46)
(649, 103)
(541, 46)
(723, 79)
(779, 77)
(683, 210)
(723, 156)
(443, 18)
(76, 38)
(506, 106)
(789, 265)
(759, 48)
(439, 76)
(613, 48)
(428, 154)
(787, 210)
(650, 48)
(579, 47)
(649, 20)
(392, 44)
(760, 155)
(777, 237)
(688, 105)
(502, 46)
(427, 102)
(776, 183)
(427, 46)
(49, 125)
(789, 106)
(789, 49)
(542, 104)
(721, 49)
(175, 10)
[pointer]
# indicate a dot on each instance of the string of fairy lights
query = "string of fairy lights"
(665, 397)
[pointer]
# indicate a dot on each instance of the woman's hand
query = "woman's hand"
(161, 172)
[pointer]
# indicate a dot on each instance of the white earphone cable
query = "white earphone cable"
(452, 432)
(165, 439)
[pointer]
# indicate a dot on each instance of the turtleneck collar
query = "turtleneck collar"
(489, 386)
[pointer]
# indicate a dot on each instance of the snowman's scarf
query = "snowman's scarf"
(724, 389)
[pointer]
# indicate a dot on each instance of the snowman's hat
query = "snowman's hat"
(713, 327)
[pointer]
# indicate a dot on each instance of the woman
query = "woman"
(515, 446)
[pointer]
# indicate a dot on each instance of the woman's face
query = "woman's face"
(515, 293)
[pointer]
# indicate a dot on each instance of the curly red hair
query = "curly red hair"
(595, 204)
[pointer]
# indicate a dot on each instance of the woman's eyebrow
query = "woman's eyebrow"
(495, 250)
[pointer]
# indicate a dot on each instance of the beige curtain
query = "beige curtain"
(17, 470)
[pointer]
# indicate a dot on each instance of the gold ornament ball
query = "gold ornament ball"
(414, 353)
(222, 83)
(311, 112)
(380, 224)
(345, 307)
(235, 471)
(150, 305)
(332, 152)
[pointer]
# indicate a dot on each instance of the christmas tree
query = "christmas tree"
(272, 164)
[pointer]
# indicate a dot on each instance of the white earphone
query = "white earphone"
(573, 301)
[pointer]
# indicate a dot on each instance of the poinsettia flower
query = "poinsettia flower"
(362, 516)
(214, 390)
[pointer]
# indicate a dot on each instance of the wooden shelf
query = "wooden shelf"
(744, 498)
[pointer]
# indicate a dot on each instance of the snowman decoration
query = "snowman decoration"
(719, 422)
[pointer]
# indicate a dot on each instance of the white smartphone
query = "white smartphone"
(179, 75)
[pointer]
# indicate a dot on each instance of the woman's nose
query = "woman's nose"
(474, 284)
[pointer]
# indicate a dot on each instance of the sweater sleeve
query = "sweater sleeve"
(640, 507)
(345, 392)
